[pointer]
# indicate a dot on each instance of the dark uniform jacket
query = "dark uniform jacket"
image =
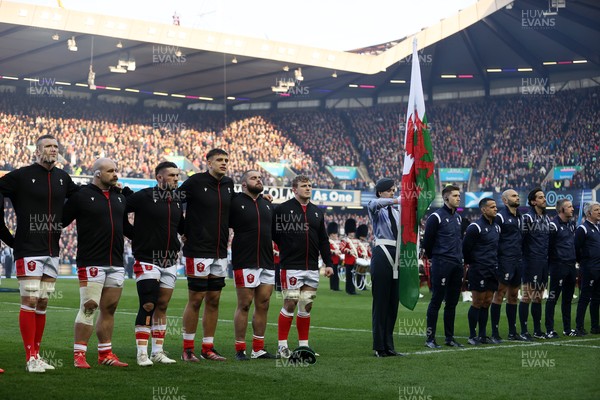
(562, 242)
(250, 219)
(587, 245)
(100, 222)
(207, 215)
(38, 196)
(158, 220)
(301, 236)
(442, 239)
(480, 247)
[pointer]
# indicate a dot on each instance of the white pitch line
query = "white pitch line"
(495, 347)
(575, 345)
(328, 328)
(169, 317)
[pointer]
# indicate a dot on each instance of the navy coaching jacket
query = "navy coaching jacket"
(443, 236)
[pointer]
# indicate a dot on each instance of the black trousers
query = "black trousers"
(446, 282)
(350, 288)
(386, 299)
(334, 280)
(589, 294)
(562, 279)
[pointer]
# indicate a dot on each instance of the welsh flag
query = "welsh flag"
(418, 186)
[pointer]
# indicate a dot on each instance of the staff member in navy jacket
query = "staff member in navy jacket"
(562, 267)
(480, 250)
(587, 248)
(384, 272)
(510, 258)
(536, 238)
(442, 242)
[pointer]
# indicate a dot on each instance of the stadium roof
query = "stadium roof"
(485, 46)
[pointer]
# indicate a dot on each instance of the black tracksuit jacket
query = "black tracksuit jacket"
(38, 196)
(251, 220)
(100, 222)
(207, 215)
(301, 236)
(158, 219)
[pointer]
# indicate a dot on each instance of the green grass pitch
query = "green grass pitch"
(566, 368)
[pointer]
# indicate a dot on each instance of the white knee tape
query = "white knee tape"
(306, 297)
(46, 288)
(92, 292)
(29, 287)
(291, 294)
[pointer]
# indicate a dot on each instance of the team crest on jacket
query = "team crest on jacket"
(317, 214)
(92, 198)
(33, 181)
(61, 182)
(93, 272)
(31, 265)
(293, 281)
(250, 278)
(200, 267)
(148, 267)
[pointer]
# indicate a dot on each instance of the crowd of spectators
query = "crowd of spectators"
(512, 141)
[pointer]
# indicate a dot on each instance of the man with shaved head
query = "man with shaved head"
(509, 265)
(99, 209)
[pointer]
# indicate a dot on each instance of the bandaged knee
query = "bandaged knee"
(46, 289)
(90, 293)
(306, 297)
(29, 287)
(290, 294)
(148, 291)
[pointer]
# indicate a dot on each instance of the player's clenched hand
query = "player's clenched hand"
(328, 271)
(268, 197)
